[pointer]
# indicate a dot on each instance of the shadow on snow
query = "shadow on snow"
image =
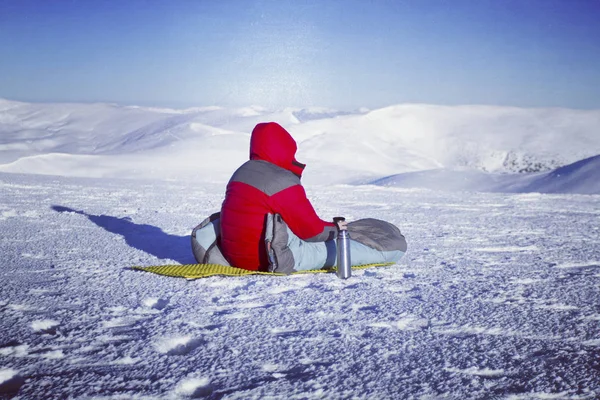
(148, 238)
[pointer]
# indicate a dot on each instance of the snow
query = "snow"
(478, 148)
(10, 381)
(479, 372)
(194, 387)
(581, 177)
(6, 375)
(497, 296)
(44, 325)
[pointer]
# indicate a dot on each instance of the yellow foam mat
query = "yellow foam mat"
(195, 271)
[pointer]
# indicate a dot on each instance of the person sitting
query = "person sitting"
(267, 223)
(268, 183)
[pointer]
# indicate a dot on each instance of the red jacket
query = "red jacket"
(268, 183)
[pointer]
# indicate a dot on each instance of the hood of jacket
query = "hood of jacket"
(271, 142)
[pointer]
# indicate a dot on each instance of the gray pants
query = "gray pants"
(375, 241)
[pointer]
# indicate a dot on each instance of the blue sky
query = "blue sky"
(334, 53)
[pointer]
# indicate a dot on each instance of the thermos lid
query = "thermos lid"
(336, 221)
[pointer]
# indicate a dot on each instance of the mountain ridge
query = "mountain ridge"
(338, 146)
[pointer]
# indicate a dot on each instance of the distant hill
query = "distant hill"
(581, 177)
(459, 143)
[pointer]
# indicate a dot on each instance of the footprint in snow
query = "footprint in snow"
(45, 326)
(194, 388)
(155, 303)
(10, 381)
(177, 345)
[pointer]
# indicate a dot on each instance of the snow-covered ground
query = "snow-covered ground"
(497, 297)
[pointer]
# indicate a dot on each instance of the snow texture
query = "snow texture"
(497, 296)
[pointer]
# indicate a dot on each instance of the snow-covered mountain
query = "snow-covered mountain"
(580, 177)
(207, 144)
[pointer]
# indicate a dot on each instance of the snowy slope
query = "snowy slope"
(497, 298)
(580, 177)
(207, 144)
(495, 139)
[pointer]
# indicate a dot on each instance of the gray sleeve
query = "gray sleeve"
(328, 233)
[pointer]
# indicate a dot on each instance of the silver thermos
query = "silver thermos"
(344, 265)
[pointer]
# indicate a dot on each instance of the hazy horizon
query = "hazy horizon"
(337, 54)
